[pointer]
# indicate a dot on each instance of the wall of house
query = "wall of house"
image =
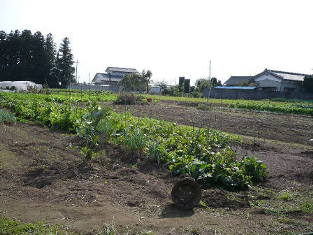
(291, 85)
(267, 80)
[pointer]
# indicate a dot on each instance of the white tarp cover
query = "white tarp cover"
(19, 85)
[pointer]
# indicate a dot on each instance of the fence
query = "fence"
(254, 94)
(93, 87)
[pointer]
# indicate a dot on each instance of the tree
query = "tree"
(26, 56)
(308, 83)
(215, 82)
(181, 83)
(50, 51)
(163, 85)
(65, 63)
(186, 85)
(146, 78)
(201, 84)
(137, 82)
(133, 82)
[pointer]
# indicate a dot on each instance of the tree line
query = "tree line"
(25, 56)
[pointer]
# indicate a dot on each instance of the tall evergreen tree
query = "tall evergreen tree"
(51, 58)
(32, 57)
(39, 61)
(65, 64)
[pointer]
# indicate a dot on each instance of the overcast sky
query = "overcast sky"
(174, 38)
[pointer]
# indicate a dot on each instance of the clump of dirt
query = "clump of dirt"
(308, 153)
(221, 199)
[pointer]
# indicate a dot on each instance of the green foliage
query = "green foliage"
(201, 84)
(285, 196)
(137, 82)
(31, 56)
(254, 168)
(181, 83)
(129, 99)
(278, 105)
(14, 227)
(88, 123)
(307, 206)
(6, 117)
(187, 85)
(214, 82)
(64, 64)
(134, 141)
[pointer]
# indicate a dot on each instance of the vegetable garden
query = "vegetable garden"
(203, 154)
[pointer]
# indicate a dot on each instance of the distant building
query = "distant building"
(238, 81)
(270, 80)
(112, 75)
(273, 80)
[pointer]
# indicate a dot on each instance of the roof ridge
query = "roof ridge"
(120, 67)
(279, 71)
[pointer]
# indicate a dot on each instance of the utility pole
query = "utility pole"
(76, 71)
(210, 71)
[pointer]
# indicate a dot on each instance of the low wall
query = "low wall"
(93, 87)
(254, 94)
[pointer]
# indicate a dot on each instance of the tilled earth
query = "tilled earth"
(43, 177)
(275, 126)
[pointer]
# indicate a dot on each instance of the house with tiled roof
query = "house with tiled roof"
(274, 80)
(270, 80)
(112, 75)
(238, 80)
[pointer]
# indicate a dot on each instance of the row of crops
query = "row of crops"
(278, 105)
(203, 154)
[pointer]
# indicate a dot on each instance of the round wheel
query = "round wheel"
(186, 193)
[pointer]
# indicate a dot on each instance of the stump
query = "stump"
(186, 193)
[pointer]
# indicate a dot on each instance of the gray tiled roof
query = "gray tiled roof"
(102, 77)
(123, 70)
(237, 80)
(287, 75)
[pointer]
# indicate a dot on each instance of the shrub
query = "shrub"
(254, 168)
(135, 141)
(6, 117)
(130, 99)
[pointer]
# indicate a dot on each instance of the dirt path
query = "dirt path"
(42, 178)
(282, 127)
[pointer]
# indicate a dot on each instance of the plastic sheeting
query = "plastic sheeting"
(19, 85)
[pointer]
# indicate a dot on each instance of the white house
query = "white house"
(112, 75)
(270, 80)
(274, 80)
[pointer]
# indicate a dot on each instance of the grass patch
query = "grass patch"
(285, 196)
(283, 203)
(6, 117)
(15, 227)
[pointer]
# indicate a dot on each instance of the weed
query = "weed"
(285, 196)
(135, 141)
(6, 117)
(307, 206)
(14, 227)
(205, 106)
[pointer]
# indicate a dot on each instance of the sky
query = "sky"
(174, 38)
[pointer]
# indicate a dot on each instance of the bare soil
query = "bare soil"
(275, 126)
(43, 177)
